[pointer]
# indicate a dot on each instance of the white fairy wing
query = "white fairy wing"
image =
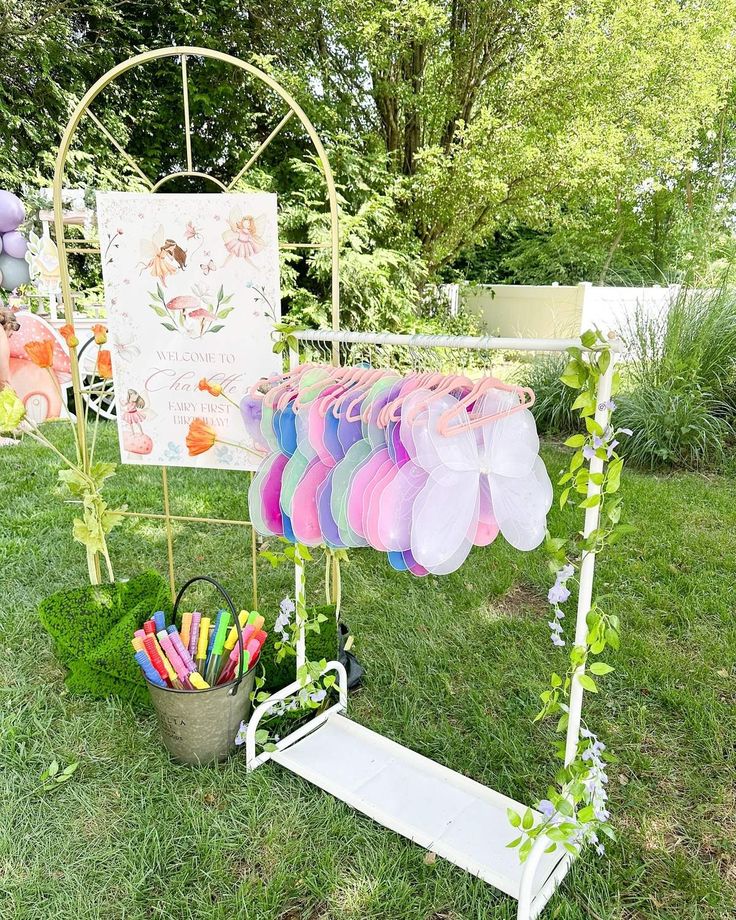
(510, 444)
(236, 214)
(159, 237)
(444, 520)
(455, 452)
(148, 249)
(520, 506)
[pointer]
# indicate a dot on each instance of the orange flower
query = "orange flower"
(104, 364)
(70, 336)
(100, 333)
(200, 437)
(41, 353)
(214, 389)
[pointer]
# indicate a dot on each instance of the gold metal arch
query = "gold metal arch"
(83, 110)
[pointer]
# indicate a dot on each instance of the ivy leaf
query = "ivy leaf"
(599, 668)
(514, 843)
(589, 338)
(527, 822)
(577, 440)
(587, 683)
(514, 817)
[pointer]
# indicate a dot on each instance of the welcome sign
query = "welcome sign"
(192, 294)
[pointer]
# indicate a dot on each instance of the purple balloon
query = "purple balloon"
(14, 244)
(12, 212)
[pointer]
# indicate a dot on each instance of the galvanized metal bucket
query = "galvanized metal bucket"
(199, 726)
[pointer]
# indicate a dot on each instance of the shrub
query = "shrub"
(672, 425)
(552, 408)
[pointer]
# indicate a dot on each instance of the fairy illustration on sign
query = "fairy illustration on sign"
(135, 439)
(162, 256)
(243, 238)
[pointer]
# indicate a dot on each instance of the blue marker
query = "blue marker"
(149, 670)
(159, 618)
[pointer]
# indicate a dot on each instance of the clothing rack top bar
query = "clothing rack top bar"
(483, 342)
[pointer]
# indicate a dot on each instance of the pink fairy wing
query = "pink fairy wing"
(397, 504)
(305, 513)
(263, 497)
(445, 520)
(520, 505)
(487, 524)
(510, 444)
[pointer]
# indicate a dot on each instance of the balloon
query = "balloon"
(14, 272)
(14, 244)
(12, 212)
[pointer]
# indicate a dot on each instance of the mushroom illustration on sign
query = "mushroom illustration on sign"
(39, 388)
(199, 321)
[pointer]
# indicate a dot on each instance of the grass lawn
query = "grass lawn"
(454, 668)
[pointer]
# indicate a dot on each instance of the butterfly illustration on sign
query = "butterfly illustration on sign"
(194, 314)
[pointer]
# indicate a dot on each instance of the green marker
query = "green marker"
(218, 644)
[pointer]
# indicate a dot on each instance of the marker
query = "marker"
(149, 628)
(232, 636)
(170, 672)
(171, 653)
(213, 633)
(198, 682)
(159, 618)
(186, 625)
(204, 630)
(148, 669)
(155, 659)
(194, 633)
(137, 644)
(215, 659)
(181, 649)
(253, 619)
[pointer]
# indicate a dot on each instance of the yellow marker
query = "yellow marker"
(167, 664)
(137, 644)
(197, 681)
(186, 625)
(233, 634)
(204, 638)
(257, 622)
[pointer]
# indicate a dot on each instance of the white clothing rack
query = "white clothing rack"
(441, 810)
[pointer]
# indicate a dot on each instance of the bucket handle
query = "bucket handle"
(236, 619)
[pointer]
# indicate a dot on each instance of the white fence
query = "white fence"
(536, 311)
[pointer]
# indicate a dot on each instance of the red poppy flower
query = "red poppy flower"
(214, 389)
(104, 364)
(69, 335)
(200, 437)
(41, 353)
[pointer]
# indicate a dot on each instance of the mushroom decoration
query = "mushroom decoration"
(36, 387)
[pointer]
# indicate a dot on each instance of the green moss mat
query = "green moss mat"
(92, 627)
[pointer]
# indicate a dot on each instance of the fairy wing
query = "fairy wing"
(510, 442)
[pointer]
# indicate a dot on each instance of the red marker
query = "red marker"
(152, 652)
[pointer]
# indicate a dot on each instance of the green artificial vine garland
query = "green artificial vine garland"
(575, 811)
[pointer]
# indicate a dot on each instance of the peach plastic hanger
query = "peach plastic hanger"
(446, 429)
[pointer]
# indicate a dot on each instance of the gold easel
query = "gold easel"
(66, 246)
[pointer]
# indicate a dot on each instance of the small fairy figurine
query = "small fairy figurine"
(133, 412)
(242, 238)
